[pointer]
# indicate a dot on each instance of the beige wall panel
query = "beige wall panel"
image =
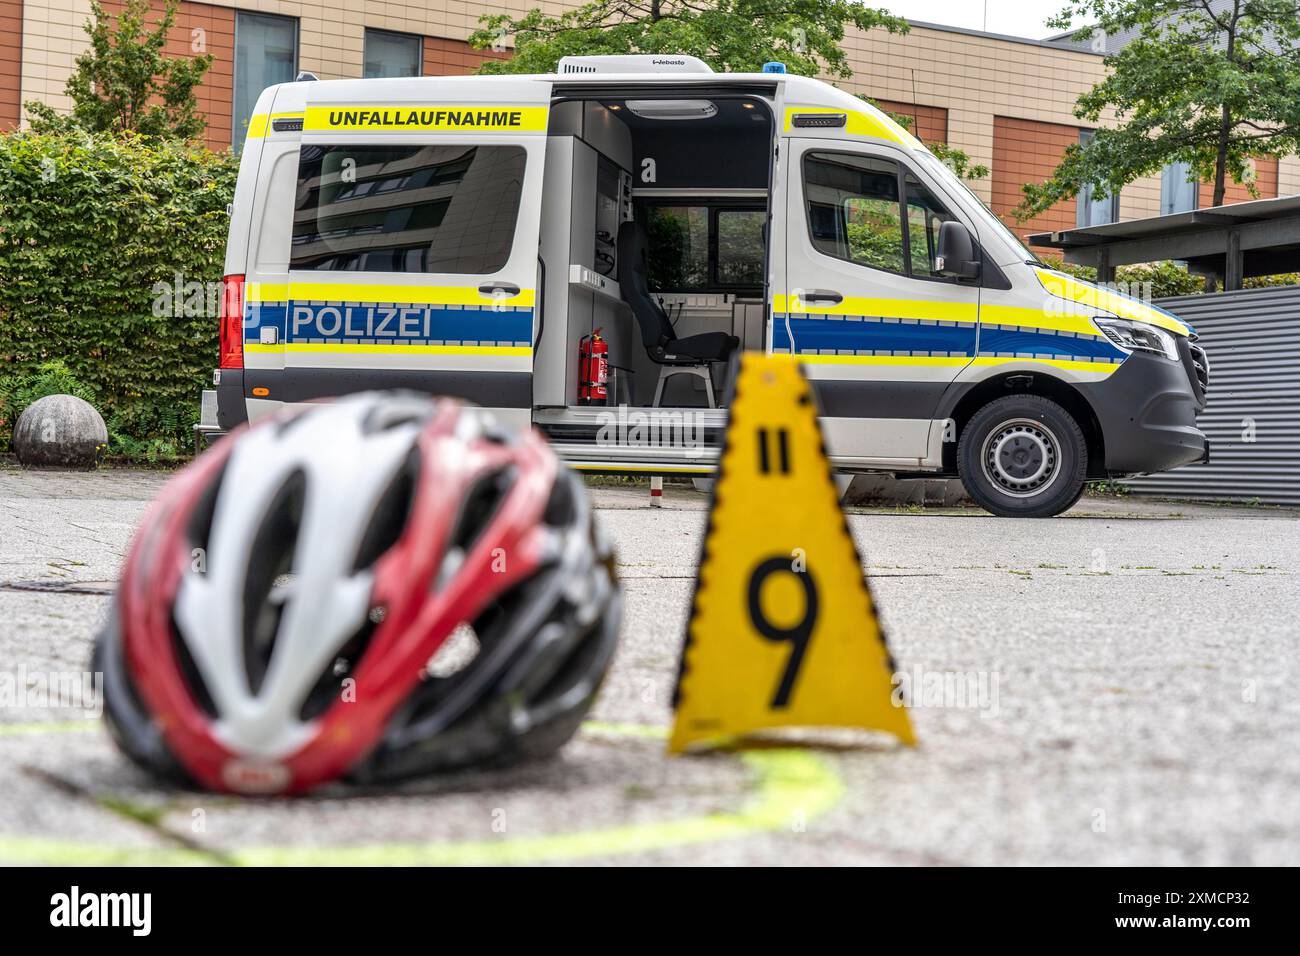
(973, 78)
(1288, 176)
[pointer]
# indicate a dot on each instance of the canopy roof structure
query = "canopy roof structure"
(1230, 243)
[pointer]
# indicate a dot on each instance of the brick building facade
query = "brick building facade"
(1005, 101)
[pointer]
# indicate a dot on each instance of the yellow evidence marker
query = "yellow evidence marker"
(783, 632)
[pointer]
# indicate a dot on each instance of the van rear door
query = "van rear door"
(402, 243)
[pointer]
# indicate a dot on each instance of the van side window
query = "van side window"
(406, 208)
(713, 247)
(853, 209)
(677, 238)
(741, 251)
(924, 216)
(857, 211)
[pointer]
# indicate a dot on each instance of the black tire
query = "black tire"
(1023, 456)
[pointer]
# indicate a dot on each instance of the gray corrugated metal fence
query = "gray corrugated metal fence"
(1252, 417)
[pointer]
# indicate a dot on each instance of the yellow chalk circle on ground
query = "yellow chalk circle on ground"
(793, 788)
(782, 632)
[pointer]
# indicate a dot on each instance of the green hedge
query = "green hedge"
(93, 228)
(1164, 278)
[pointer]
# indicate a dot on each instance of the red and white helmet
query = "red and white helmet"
(280, 617)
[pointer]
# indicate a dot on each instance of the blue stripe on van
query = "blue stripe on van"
(835, 334)
(1006, 339)
(389, 324)
(821, 335)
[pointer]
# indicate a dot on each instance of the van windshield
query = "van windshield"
(938, 168)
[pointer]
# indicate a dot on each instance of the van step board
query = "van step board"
(638, 459)
(640, 468)
(660, 429)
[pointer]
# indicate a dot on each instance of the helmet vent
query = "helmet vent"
(269, 583)
(190, 672)
(436, 699)
(394, 413)
(456, 653)
(329, 686)
(391, 514)
(199, 529)
(560, 511)
(288, 419)
(481, 504)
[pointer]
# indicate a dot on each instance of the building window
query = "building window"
(1178, 189)
(266, 53)
(1094, 209)
(392, 54)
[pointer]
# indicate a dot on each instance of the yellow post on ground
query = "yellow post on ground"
(783, 631)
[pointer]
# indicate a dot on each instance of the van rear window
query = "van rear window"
(711, 247)
(406, 208)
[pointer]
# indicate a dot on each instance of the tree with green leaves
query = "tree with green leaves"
(1210, 83)
(736, 36)
(955, 159)
(125, 81)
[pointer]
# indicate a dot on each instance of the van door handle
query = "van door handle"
(499, 288)
(821, 295)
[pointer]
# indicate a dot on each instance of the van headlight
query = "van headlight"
(1138, 336)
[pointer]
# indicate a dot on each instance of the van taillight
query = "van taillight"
(232, 322)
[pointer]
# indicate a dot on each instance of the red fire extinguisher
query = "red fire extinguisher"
(593, 369)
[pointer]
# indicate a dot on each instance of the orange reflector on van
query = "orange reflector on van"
(261, 392)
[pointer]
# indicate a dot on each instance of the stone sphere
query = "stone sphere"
(60, 431)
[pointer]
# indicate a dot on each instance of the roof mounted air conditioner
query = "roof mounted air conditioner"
(635, 63)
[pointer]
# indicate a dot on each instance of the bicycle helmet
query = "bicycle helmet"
(370, 589)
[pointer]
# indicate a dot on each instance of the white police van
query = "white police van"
(586, 251)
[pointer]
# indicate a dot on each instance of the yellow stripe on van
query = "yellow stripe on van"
(931, 360)
(1037, 319)
(857, 124)
(261, 123)
(959, 361)
(436, 118)
(891, 308)
(1071, 365)
(943, 312)
(364, 293)
(1084, 295)
(371, 348)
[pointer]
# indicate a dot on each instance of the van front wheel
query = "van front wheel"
(1023, 456)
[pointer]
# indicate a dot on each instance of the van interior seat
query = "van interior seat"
(693, 354)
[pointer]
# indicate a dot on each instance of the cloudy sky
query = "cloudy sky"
(1024, 18)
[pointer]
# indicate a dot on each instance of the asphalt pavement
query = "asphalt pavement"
(1114, 686)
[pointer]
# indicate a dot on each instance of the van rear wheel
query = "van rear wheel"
(1023, 456)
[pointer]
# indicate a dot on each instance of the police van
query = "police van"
(587, 251)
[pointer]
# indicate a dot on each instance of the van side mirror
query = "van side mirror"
(956, 256)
